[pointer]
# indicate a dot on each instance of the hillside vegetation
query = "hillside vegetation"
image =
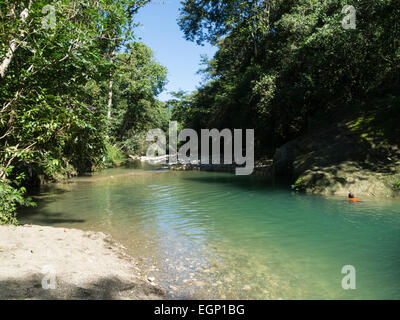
(320, 93)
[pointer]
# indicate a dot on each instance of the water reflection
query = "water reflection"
(218, 236)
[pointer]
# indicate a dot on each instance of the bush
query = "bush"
(135, 143)
(396, 186)
(114, 156)
(10, 198)
(299, 185)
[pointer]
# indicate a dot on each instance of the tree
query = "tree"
(281, 64)
(137, 82)
(50, 54)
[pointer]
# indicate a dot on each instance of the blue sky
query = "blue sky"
(160, 31)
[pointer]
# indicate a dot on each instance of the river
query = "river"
(206, 235)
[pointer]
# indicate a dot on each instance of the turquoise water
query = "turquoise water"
(220, 236)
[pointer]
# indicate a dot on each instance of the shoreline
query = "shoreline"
(41, 262)
(69, 246)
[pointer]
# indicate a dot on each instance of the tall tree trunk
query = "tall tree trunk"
(110, 88)
(14, 43)
(110, 97)
(6, 61)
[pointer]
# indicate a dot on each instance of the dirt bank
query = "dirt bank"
(81, 265)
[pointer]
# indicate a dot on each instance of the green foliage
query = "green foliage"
(378, 121)
(53, 90)
(135, 110)
(12, 195)
(114, 156)
(299, 185)
(281, 64)
(396, 186)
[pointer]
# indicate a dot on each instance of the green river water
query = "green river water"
(221, 236)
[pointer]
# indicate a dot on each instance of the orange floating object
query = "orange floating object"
(353, 199)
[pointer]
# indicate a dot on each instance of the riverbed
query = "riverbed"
(208, 235)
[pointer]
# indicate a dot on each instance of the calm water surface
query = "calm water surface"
(220, 236)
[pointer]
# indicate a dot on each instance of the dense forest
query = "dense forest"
(282, 65)
(78, 92)
(319, 81)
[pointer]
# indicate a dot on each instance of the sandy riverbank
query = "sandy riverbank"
(84, 265)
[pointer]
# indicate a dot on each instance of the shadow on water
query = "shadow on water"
(46, 191)
(137, 164)
(244, 182)
(39, 216)
(43, 198)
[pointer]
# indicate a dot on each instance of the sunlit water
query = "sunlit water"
(220, 236)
